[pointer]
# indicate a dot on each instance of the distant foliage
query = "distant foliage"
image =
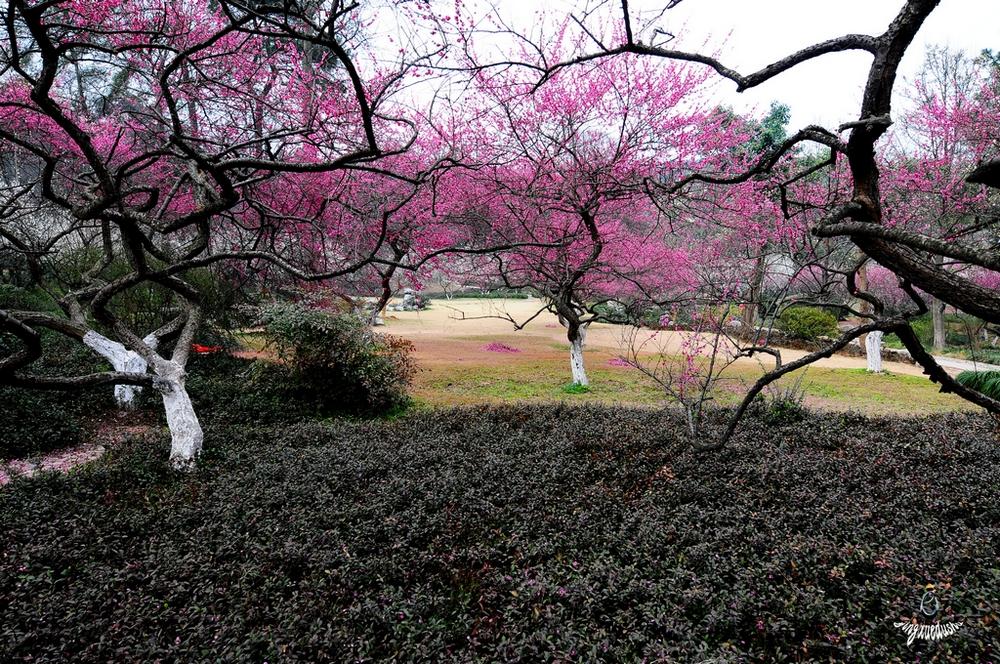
(808, 323)
(339, 359)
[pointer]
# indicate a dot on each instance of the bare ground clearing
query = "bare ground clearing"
(451, 339)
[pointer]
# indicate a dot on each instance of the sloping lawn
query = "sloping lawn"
(513, 534)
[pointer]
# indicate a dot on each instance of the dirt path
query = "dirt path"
(69, 458)
(954, 364)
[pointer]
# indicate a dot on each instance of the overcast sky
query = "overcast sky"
(752, 33)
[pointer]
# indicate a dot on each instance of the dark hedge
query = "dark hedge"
(520, 534)
(34, 422)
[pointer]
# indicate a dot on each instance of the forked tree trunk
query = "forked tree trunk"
(122, 359)
(186, 436)
(873, 350)
(577, 338)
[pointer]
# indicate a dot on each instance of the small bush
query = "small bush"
(781, 404)
(232, 389)
(339, 359)
(808, 323)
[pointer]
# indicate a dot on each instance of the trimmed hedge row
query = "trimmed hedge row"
(519, 534)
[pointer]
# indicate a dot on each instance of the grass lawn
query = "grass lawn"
(541, 372)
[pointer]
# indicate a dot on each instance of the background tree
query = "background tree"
(935, 149)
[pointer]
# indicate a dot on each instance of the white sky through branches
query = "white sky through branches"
(749, 34)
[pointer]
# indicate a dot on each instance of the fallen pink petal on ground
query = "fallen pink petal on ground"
(64, 460)
(497, 347)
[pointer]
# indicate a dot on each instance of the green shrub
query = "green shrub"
(989, 355)
(781, 405)
(515, 534)
(227, 389)
(224, 388)
(808, 323)
(957, 336)
(27, 299)
(340, 360)
(987, 382)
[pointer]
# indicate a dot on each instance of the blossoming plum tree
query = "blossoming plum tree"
(172, 136)
(568, 165)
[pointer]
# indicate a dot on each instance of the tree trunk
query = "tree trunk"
(186, 436)
(937, 317)
(873, 350)
(864, 306)
(756, 290)
(576, 341)
(122, 359)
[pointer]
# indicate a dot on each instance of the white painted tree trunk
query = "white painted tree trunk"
(186, 436)
(122, 359)
(576, 358)
(873, 350)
